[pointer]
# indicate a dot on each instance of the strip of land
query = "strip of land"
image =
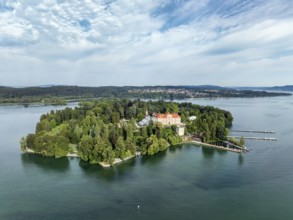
(60, 95)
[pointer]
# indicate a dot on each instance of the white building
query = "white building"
(145, 121)
(180, 130)
(192, 118)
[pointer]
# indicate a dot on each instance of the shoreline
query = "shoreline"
(119, 160)
(72, 155)
(103, 164)
(138, 153)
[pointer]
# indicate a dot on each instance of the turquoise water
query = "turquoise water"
(185, 182)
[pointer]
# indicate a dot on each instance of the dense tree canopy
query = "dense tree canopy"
(103, 130)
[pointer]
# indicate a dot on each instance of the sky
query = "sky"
(146, 42)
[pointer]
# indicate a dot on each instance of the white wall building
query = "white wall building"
(180, 130)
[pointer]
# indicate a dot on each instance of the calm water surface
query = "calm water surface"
(185, 182)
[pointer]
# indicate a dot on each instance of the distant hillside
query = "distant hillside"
(53, 94)
(205, 87)
(288, 88)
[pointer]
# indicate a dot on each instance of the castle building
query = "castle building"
(167, 119)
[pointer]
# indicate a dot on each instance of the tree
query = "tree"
(97, 154)
(108, 155)
(172, 107)
(77, 133)
(163, 144)
(30, 141)
(23, 144)
(120, 150)
(130, 146)
(85, 147)
(241, 141)
(115, 117)
(140, 116)
(43, 125)
(159, 130)
(61, 146)
(144, 132)
(131, 112)
(51, 145)
(129, 131)
(152, 145)
(105, 132)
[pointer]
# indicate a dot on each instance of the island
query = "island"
(107, 131)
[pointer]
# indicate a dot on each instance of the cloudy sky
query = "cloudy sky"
(146, 42)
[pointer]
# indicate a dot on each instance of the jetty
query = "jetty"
(254, 131)
(229, 146)
(255, 138)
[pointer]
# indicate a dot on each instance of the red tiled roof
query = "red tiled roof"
(174, 115)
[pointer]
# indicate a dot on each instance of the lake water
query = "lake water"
(185, 182)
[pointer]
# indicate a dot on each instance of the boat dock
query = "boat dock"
(255, 138)
(230, 144)
(254, 131)
(236, 149)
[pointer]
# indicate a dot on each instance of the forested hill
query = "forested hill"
(103, 130)
(288, 88)
(56, 93)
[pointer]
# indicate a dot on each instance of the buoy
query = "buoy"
(138, 207)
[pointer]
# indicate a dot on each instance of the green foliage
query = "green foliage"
(241, 141)
(120, 149)
(23, 144)
(115, 117)
(85, 147)
(130, 146)
(140, 116)
(30, 138)
(51, 145)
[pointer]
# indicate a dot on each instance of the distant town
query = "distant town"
(60, 95)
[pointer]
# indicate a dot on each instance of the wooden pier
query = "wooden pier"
(255, 138)
(221, 146)
(230, 144)
(254, 131)
(216, 146)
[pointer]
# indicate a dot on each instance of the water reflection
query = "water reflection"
(219, 181)
(153, 160)
(46, 163)
(240, 159)
(95, 170)
(175, 148)
(207, 152)
(108, 174)
(272, 115)
(221, 152)
(123, 168)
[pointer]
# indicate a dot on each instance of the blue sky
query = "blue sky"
(146, 42)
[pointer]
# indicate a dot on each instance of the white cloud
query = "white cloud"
(123, 42)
